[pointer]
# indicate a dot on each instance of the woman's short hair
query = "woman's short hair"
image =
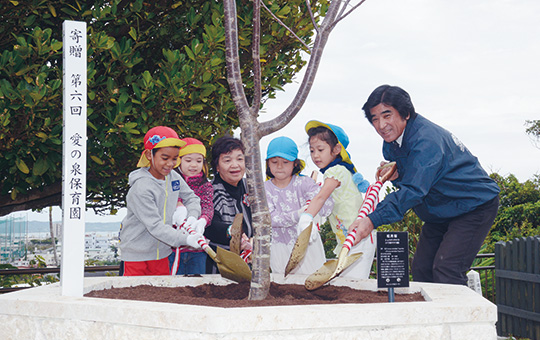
(225, 145)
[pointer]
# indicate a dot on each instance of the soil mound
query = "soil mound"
(236, 295)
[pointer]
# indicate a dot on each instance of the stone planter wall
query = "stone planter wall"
(450, 312)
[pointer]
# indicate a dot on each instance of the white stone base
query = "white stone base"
(450, 312)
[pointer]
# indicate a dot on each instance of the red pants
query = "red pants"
(144, 268)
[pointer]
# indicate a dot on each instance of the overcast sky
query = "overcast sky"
(472, 67)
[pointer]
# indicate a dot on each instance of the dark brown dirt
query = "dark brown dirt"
(236, 295)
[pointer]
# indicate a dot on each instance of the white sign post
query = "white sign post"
(73, 158)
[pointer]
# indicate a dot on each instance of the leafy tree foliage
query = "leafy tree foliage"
(410, 223)
(533, 129)
(518, 215)
(519, 210)
(149, 63)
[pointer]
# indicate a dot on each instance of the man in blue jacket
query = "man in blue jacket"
(439, 179)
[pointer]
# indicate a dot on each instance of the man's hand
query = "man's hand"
(363, 227)
(383, 169)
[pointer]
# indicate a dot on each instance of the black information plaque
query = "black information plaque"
(392, 259)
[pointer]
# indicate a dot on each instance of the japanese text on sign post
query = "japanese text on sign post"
(74, 157)
(392, 259)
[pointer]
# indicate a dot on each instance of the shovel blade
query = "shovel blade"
(231, 266)
(236, 234)
(328, 271)
(299, 249)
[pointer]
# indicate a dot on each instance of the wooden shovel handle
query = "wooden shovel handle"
(393, 168)
(349, 241)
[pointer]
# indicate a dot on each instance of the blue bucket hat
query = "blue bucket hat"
(361, 183)
(342, 137)
(285, 148)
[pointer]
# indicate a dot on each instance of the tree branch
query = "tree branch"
(34, 199)
(308, 4)
(290, 112)
(234, 74)
(341, 17)
(256, 55)
(345, 4)
(287, 28)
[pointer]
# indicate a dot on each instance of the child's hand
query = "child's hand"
(246, 243)
(199, 225)
(304, 222)
(196, 224)
(190, 222)
(192, 236)
(192, 240)
(299, 212)
(179, 216)
(303, 209)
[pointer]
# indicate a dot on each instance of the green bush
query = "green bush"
(149, 63)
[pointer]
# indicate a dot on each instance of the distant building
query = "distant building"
(12, 243)
(95, 241)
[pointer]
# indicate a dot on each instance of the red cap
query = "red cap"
(159, 137)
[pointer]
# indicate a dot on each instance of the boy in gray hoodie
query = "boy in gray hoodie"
(147, 235)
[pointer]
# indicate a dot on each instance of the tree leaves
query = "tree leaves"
(519, 203)
(21, 165)
(148, 64)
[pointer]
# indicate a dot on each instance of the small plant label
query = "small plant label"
(392, 259)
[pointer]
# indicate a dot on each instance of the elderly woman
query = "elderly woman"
(230, 195)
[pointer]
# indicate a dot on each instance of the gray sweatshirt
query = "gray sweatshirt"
(146, 233)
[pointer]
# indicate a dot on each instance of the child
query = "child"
(194, 171)
(147, 234)
(288, 193)
(327, 145)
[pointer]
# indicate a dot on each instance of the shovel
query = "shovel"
(299, 249)
(230, 265)
(333, 268)
(300, 246)
(236, 234)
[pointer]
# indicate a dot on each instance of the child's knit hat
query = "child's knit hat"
(159, 137)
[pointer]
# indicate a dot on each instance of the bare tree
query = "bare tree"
(252, 130)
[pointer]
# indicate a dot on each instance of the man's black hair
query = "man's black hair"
(393, 96)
